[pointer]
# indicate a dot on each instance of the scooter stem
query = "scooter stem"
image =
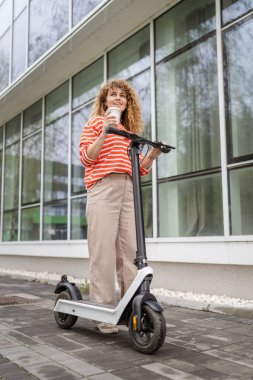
(141, 256)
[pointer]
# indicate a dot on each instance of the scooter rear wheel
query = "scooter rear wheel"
(153, 331)
(64, 321)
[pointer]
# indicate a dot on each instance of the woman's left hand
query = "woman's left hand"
(150, 157)
(154, 152)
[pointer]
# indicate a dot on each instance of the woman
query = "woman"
(108, 179)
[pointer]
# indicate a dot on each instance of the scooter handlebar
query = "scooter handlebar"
(164, 147)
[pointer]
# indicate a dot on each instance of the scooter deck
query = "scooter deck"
(100, 312)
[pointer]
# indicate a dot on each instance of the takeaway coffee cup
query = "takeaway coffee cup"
(115, 112)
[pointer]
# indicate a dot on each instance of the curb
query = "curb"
(226, 309)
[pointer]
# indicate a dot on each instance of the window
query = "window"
(241, 198)
(232, 9)
(19, 45)
(5, 16)
(11, 180)
(187, 117)
(4, 60)
(191, 207)
(85, 87)
(183, 24)
(18, 6)
(131, 57)
(240, 91)
(78, 218)
(30, 223)
(82, 8)
(187, 110)
(79, 119)
(56, 163)
(1, 164)
(48, 23)
(86, 84)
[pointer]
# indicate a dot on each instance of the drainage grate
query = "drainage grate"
(14, 300)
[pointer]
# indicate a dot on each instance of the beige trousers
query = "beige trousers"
(111, 237)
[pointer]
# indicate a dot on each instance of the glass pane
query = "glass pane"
(142, 85)
(83, 8)
(232, 9)
(187, 110)
(191, 207)
(48, 23)
(86, 84)
(241, 199)
(147, 210)
(12, 131)
(182, 25)
(30, 224)
(130, 57)
(79, 119)
(57, 103)
(1, 163)
(55, 222)
(10, 226)
(31, 170)
(78, 219)
(19, 5)
(5, 16)
(32, 118)
(1, 137)
(4, 60)
(56, 160)
(19, 46)
(240, 88)
(11, 177)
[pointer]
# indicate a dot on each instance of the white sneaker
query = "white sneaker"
(107, 328)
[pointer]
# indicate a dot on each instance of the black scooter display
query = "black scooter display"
(138, 309)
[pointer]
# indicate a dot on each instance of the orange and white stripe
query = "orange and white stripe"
(113, 157)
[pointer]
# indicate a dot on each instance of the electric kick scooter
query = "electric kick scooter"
(138, 309)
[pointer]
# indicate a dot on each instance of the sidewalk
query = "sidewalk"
(199, 344)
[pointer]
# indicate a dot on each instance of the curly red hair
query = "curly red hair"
(131, 117)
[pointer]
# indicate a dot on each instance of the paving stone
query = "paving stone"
(22, 338)
(62, 342)
(10, 371)
(180, 364)
(79, 366)
(22, 355)
(52, 371)
(231, 358)
(169, 372)
(6, 342)
(111, 361)
(139, 373)
(240, 350)
(209, 374)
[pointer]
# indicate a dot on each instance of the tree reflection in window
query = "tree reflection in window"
(48, 23)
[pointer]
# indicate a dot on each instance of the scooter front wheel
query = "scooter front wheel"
(153, 330)
(64, 321)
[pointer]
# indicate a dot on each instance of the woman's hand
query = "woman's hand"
(150, 157)
(154, 153)
(109, 121)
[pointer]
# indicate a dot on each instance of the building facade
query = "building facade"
(191, 63)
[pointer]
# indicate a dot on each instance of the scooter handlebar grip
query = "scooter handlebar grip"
(115, 131)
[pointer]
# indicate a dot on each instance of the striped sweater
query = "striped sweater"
(113, 157)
